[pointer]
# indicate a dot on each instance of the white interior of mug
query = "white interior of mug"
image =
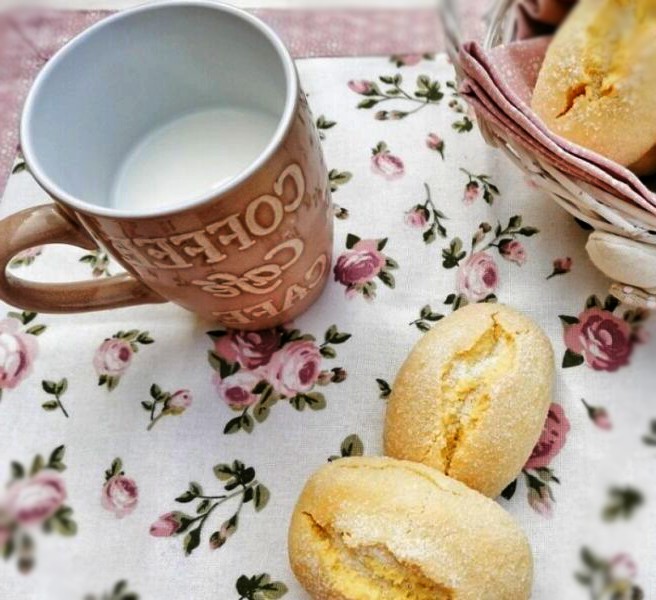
(137, 71)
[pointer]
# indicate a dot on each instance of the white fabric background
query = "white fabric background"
(290, 445)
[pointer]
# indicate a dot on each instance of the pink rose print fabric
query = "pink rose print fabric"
(552, 439)
(624, 566)
(538, 474)
(417, 217)
(514, 251)
(285, 364)
(436, 143)
(251, 349)
(98, 260)
(362, 86)
(427, 217)
(34, 500)
(166, 526)
(561, 266)
(26, 257)
(114, 356)
(598, 415)
(180, 401)
(599, 338)
(18, 348)
(120, 591)
(616, 575)
(410, 60)
(236, 390)
(472, 193)
(163, 404)
(17, 353)
(362, 264)
(404, 99)
(479, 186)
(120, 493)
(294, 368)
(240, 487)
(384, 163)
(478, 277)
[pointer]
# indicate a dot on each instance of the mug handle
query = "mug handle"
(47, 224)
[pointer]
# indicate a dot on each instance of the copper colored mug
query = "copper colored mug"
(251, 254)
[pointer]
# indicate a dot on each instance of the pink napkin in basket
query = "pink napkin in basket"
(499, 85)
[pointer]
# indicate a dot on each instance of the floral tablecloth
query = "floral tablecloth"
(147, 454)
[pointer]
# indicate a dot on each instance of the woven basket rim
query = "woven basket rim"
(599, 208)
(502, 29)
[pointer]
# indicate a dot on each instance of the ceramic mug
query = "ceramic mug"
(251, 254)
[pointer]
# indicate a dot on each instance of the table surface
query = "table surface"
(82, 439)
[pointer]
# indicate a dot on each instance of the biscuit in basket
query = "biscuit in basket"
(383, 529)
(472, 397)
(596, 86)
(620, 257)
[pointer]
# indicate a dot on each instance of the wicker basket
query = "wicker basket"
(611, 217)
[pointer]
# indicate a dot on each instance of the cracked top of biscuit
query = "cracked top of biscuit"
(383, 529)
(472, 396)
(596, 83)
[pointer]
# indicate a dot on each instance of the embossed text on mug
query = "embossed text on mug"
(175, 252)
(261, 218)
(293, 295)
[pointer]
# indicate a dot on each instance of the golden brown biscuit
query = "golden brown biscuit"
(596, 86)
(383, 529)
(472, 397)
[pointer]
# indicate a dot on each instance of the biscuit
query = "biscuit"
(472, 397)
(383, 529)
(596, 85)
